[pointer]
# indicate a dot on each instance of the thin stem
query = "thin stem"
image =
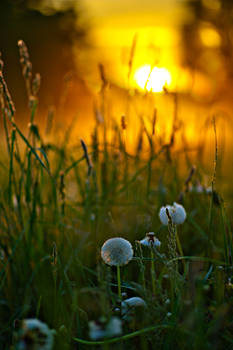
(124, 337)
(179, 246)
(119, 281)
(153, 271)
(141, 264)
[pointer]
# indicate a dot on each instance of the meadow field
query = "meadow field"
(165, 281)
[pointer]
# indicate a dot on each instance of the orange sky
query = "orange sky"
(113, 25)
(133, 11)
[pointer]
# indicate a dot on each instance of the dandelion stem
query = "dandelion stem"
(141, 264)
(153, 271)
(124, 337)
(119, 281)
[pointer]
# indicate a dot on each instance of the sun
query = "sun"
(152, 79)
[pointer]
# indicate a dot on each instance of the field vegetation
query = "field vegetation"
(61, 200)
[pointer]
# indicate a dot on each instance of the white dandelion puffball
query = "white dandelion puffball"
(117, 251)
(176, 211)
(98, 330)
(35, 335)
(151, 241)
(132, 305)
(133, 302)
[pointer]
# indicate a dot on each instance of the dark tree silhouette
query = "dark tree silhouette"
(49, 38)
(208, 37)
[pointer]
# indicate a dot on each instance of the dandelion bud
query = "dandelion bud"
(176, 211)
(150, 241)
(117, 251)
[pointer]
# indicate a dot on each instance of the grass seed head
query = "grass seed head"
(1, 62)
(117, 251)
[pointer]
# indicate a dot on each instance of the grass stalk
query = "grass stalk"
(153, 271)
(179, 246)
(11, 168)
(124, 337)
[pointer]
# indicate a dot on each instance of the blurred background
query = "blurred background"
(185, 46)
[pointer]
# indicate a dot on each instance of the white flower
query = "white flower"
(150, 240)
(176, 211)
(208, 190)
(130, 306)
(100, 330)
(35, 335)
(198, 188)
(117, 251)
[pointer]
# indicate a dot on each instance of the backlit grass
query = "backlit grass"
(61, 200)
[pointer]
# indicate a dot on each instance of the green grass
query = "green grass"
(60, 201)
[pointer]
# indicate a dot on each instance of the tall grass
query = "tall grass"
(60, 202)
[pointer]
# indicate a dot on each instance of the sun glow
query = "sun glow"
(152, 79)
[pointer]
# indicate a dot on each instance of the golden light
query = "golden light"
(212, 4)
(152, 79)
(210, 37)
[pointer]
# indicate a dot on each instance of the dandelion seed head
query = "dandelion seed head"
(151, 241)
(163, 215)
(35, 335)
(117, 251)
(180, 213)
(101, 330)
(176, 211)
(133, 302)
(131, 306)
